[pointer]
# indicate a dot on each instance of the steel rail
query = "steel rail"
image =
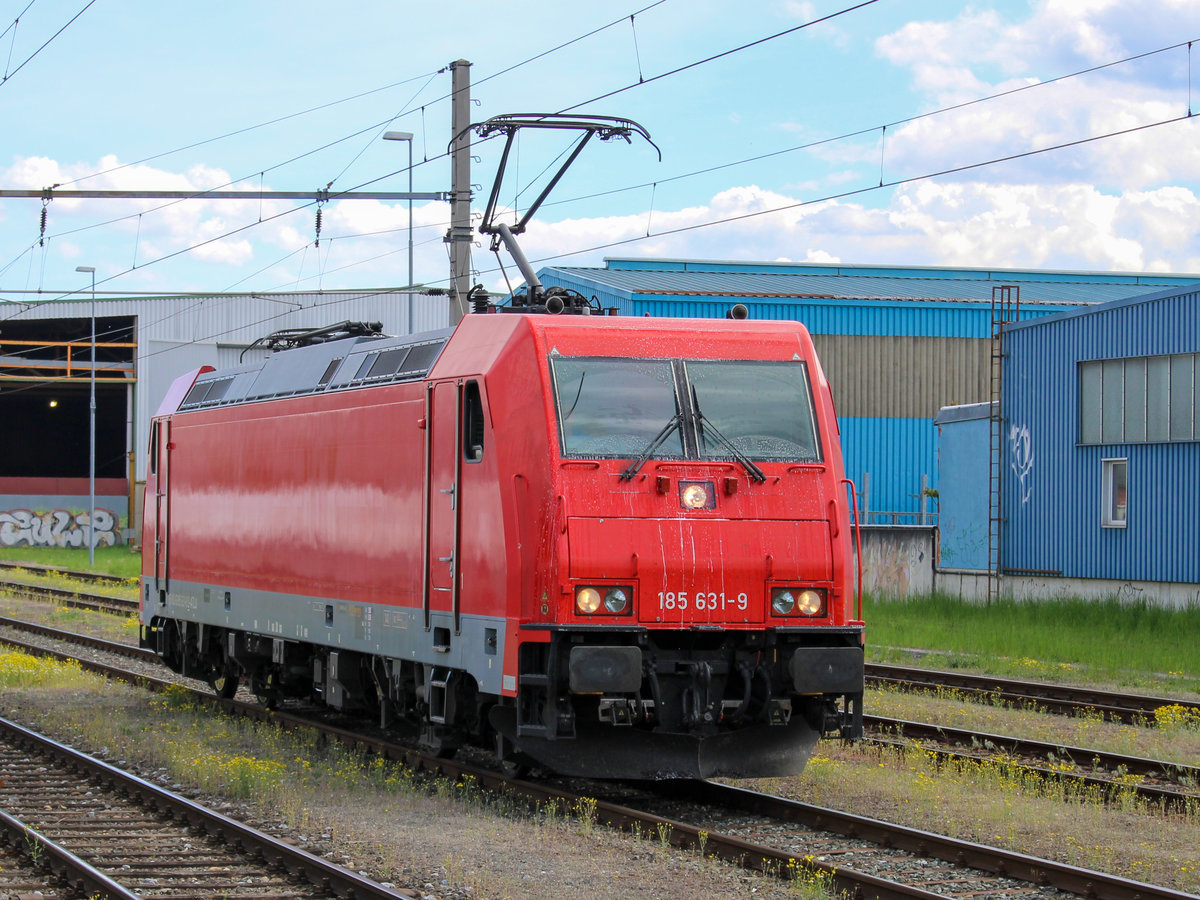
(1113, 790)
(1035, 870)
(97, 577)
(70, 597)
(1079, 756)
(1057, 697)
(128, 651)
(330, 877)
(44, 853)
(1167, 798)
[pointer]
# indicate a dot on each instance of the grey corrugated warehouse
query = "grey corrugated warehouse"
(44, 382)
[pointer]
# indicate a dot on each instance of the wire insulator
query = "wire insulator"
(317, 243)
(42, 232)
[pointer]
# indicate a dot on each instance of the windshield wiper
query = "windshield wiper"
(632, 468)
(702, 423)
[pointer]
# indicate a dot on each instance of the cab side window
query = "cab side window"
(473, 430)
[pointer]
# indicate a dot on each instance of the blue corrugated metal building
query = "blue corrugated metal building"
(1101, 474)
(897, 343)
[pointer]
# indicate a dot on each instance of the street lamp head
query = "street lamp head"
(397, 135)
(91, 269)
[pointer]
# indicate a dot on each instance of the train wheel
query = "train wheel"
(225, 682)
(511, 763)
(266, 689)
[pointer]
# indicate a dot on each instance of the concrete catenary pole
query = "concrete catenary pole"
(459, 237)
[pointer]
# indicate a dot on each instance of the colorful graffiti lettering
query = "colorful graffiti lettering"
(57, 528)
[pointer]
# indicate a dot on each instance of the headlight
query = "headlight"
(811, 603)
(605, 599)
(587, 600)
(782, 601)
(697, 495)
(795, 601)
(616, 601)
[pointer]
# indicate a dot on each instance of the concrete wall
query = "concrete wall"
(61, 521)
(973, 586)
(897, 560)
(900, 560)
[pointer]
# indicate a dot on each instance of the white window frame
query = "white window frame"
(1114, 514)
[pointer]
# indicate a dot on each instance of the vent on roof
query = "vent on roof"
(288, 375)
(394, 364)
(204, 393)
(329, 370)
(421, 359)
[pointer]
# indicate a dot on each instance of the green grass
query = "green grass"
(119, 560)
(1066, 639)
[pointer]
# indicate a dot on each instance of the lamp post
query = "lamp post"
(92, 428)
(407, 136)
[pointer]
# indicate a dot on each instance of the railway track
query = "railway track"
(1033, 754)
(104, 831)
(873, 859)
(99, 578)
(1060, 698)
(70, 596)
(19, 876)
(1173, 785)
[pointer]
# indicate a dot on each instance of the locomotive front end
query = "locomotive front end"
(699, 619)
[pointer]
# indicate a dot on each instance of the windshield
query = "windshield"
(615, 407)
(763, 408)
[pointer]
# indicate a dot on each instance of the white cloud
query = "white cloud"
(978, 53)
(1059, 226)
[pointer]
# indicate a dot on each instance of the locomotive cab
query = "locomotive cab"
(698, 621)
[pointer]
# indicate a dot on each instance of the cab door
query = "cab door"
(443, 502)
(161, 459)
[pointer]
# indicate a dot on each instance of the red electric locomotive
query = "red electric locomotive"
(612, 547)
(617, 547)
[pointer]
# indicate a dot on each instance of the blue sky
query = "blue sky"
(756, 163)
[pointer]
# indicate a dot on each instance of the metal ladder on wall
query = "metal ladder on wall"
(1006, 308)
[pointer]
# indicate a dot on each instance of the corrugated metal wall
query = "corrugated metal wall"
(903, 377)
(177, 334)
(964, 435)
(894, 453)
(1052, 484)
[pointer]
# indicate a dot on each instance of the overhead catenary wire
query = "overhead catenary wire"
(883, 127)
(374, 127)
(312, 109)
(49, 40)
(12, 44)
(882, 184)
(382, 124)
(854, 192)
(826, 198)
(724, 53)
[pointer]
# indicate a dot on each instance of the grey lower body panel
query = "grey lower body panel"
(394, 632)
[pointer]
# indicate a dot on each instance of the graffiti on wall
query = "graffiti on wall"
(1021, 443)
(57, 528)
(896, 564)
